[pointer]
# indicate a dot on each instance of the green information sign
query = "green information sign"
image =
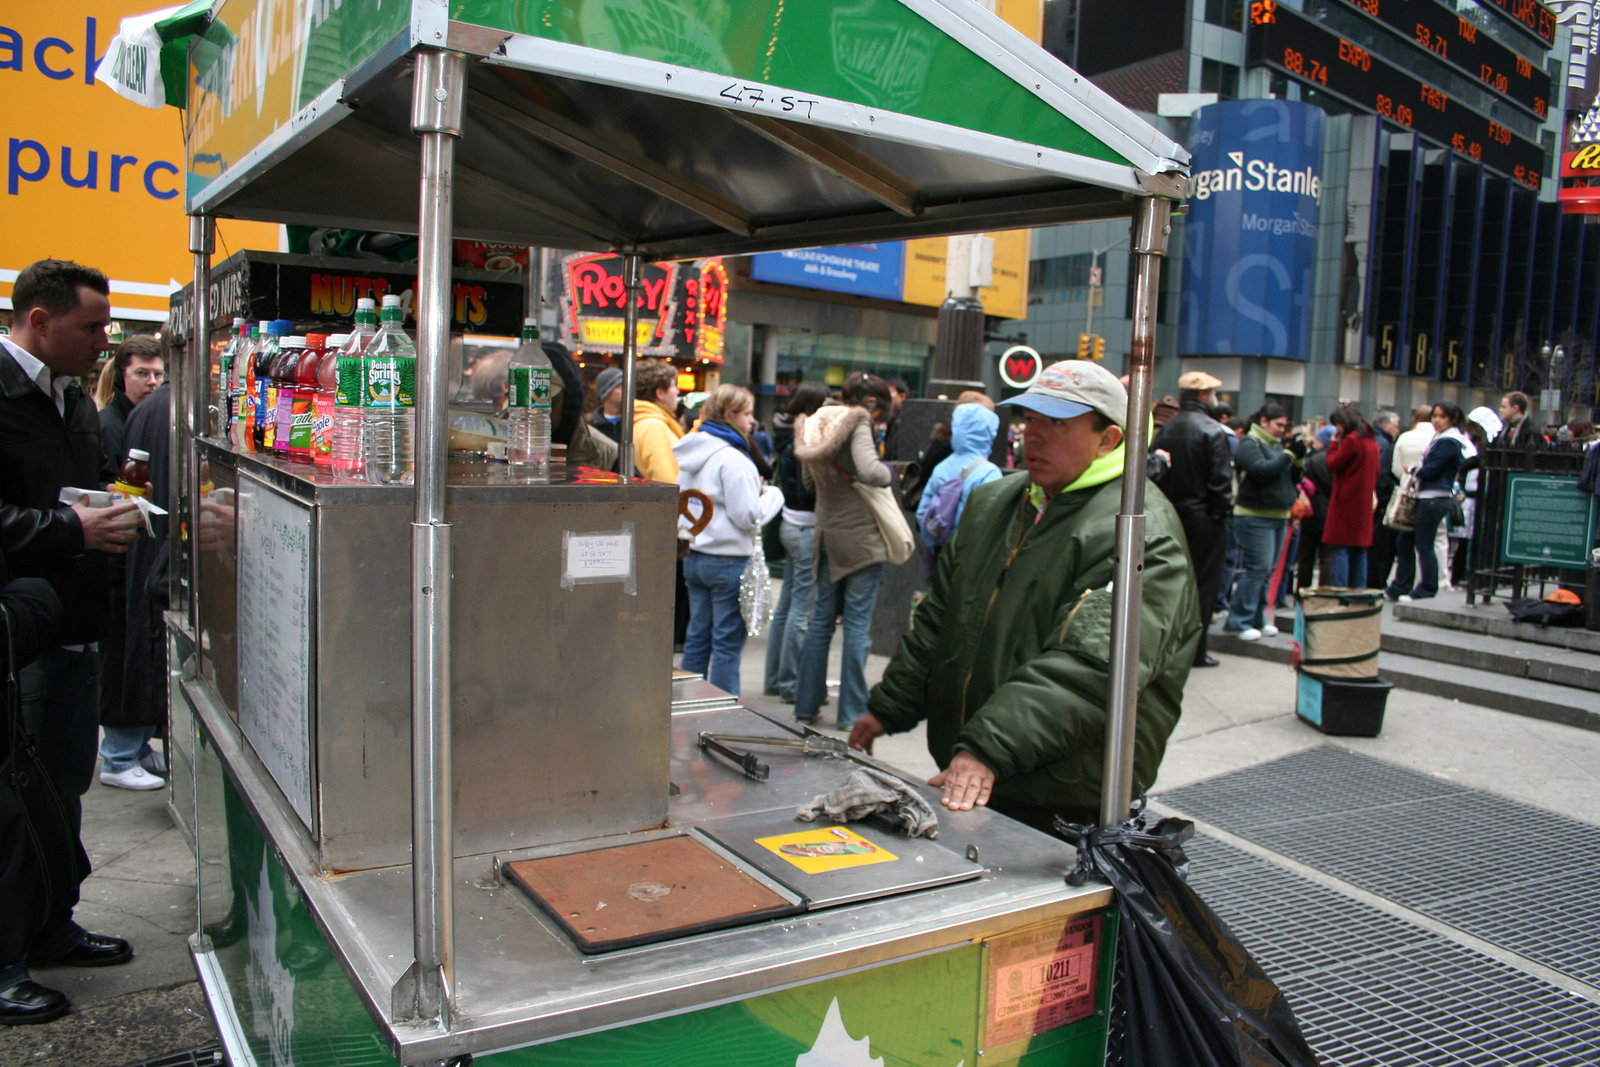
(1549, 521)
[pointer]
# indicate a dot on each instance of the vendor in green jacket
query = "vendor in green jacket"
(1008, 656)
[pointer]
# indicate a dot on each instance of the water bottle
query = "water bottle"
(528, 399)
(349, 458)
(387, 415)
(221, 410)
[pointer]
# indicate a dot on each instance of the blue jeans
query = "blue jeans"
(123, 746)
(1414, 556)
(1347, 566)
(859, 593)
(1259, 540)
(716, 629)
(786, 638)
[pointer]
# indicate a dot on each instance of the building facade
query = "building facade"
(1438, 262)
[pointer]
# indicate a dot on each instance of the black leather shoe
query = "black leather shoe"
(29, 1002)
(95, 950)
(1206, 661)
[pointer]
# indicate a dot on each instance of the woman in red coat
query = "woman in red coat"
(1347, 533)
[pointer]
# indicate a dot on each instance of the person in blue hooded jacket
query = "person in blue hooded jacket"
(972, 430)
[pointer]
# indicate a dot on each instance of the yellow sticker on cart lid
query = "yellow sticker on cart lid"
(831, 848)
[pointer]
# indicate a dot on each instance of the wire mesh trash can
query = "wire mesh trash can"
(1339, 631)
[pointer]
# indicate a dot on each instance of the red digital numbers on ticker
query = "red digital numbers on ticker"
(1432, 41)
(1263, 12)
(1386, 107)
(1309, 69)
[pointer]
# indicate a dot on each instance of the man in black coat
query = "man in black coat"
(1199, 483)
(126, 759)
(1381, 556)
(1520, 431)
(50, 440)
(140, 706)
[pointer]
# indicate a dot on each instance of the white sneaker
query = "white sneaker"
(1405, 598)
(154, 761)
(1250, 633)
(135, 777)
(1269, 630)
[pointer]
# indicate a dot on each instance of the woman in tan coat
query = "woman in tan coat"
(837, 448)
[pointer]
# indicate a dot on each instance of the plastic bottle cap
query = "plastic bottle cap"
(392, 300)
(316, 340)
(365, 302)
(281, 326)
(293, 341)
(338, 340)
(138, 455)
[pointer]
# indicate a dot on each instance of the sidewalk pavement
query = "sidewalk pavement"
(1236, 715)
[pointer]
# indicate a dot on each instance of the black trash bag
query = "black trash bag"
(1545, 612)
(1192, 993)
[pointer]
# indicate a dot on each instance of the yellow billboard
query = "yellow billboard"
(89, 176)
(1007, 298)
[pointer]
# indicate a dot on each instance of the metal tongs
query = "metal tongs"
(806, 741)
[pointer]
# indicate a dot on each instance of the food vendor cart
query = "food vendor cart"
(448, 800)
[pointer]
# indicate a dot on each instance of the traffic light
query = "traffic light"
(1099, 348)
(1083, 345)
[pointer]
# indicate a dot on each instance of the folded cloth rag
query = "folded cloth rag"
(867, 792)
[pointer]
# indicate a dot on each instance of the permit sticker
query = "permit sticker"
(831, 848)
(1040, 979)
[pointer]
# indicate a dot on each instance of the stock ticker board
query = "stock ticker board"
(1459, 42)
(1293, 44)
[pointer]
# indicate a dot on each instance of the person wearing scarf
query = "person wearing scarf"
(1415, 556)
(1008, 657)
(715, 459)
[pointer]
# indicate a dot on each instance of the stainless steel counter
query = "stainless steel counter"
(520, 981)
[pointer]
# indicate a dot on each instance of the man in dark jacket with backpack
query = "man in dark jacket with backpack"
(1199, 483)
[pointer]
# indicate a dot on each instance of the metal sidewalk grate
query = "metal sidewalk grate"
(205, 1056)
(1519, 877)
(1372, 989)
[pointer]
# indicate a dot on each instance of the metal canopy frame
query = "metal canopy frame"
(542, 142)
(573, 147)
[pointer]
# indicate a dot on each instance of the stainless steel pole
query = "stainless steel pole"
(630, 350)
(1152, 224)
(188, 398)
(439, 93)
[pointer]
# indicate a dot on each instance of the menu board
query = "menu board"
(275, 636)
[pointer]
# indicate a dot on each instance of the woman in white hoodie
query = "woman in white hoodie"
(715, 459)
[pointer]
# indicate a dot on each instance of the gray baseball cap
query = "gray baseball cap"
(1076, 387)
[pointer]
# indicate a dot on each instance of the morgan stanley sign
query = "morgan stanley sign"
(1250, 241)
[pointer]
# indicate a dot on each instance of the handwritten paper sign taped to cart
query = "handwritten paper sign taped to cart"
(831, 848)
(588, 558)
